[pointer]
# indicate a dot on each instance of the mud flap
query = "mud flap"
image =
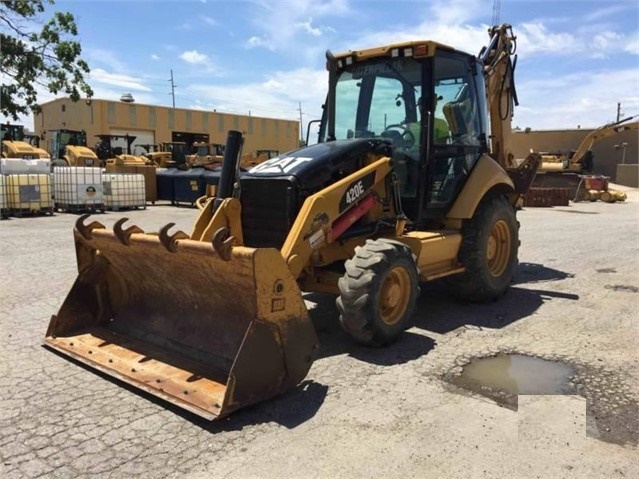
(211, 330)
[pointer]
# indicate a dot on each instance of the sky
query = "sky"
(577, 59)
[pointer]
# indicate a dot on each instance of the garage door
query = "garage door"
(142, 137)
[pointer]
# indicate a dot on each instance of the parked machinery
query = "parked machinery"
(69, 148)
(367, 213)
(167, 154)
(17, 144)
(205, 154)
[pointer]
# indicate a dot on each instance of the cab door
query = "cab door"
(457, 132)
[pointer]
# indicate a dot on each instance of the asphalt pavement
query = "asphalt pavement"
(360, 412)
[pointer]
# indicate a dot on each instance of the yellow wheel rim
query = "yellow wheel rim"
(498, 248)
(394, 295)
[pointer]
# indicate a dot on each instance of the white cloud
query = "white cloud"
(208, 20)
(100, 76)
(100, 57)
(308, 28)
(194, 57)
(259, 42)
(632, 46)
(280, 23)
(154, 57)
(277, 96)
(583, 98)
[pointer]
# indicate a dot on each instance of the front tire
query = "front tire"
(488, 252)
(378, 292)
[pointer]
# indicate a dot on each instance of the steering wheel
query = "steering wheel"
(403, 138)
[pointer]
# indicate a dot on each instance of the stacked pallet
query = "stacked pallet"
(124, 191)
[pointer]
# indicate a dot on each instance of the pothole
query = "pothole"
(622, 287)
(612, 415)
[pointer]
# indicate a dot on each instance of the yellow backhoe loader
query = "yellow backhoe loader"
(214, 320)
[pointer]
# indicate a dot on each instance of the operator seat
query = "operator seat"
(459, 117)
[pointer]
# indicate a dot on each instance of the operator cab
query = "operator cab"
(430, 107)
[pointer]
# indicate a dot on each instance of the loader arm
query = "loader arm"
(326, 215)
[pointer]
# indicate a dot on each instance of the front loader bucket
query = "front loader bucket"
(210, 332)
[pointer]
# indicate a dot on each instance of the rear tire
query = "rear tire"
(489, 252)
(378, 292)
(59, 162)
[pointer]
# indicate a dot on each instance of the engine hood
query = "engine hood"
(316, 164)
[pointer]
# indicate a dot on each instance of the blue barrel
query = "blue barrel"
(188, 185)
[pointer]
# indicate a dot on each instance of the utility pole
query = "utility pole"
(301, 128)
(618, 111)
(173, 86)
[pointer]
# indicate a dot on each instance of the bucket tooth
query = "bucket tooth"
(124, 235)
(170, 241)
(223, 243)
(85, 230)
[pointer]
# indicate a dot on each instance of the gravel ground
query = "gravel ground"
(392, 412)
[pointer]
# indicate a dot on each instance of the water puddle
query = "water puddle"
(612, 414)
(517, 374)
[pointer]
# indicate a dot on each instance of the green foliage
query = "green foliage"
(35, 53)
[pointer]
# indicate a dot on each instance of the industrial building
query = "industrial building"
(154, 124)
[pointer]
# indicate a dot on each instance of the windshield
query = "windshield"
(12, 132)
(372, 96)
(73, 138)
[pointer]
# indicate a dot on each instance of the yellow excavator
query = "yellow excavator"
(581, 160)
(214, 321)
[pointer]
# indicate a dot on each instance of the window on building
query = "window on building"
(220, 123)
(152, 118)
(171, 119)
(288, 129)
(111, 113)
(236, 122)
(277, 128)
(264, 126)
(250, 125)
(205, 121)
(133, 120)
(189, 120)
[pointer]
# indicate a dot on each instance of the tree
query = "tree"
(38, 54)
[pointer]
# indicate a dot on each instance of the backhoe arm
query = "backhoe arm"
(499, 70)
(601, 133)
